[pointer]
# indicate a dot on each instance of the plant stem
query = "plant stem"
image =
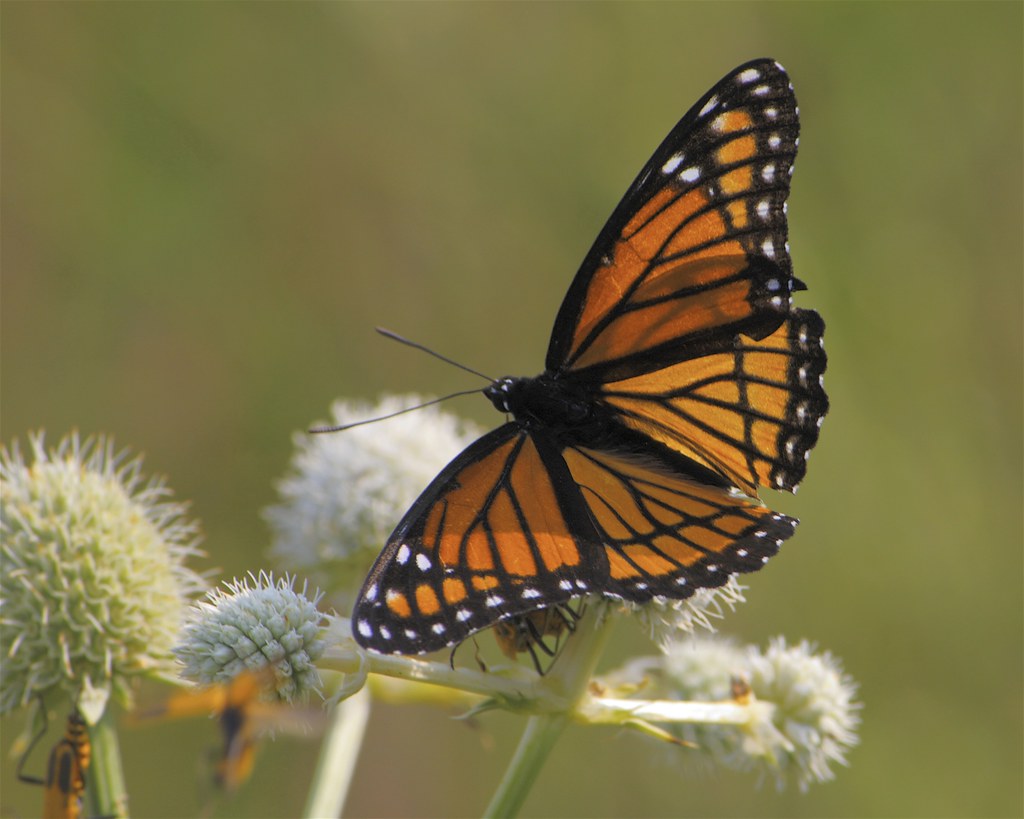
(575, 669)
(338, 756)
(534, 746)
(105, 789)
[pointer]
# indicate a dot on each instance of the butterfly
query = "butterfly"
(679, 380)
(68, 762)
(242, 716)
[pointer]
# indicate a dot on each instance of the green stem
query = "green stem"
(105, 788)
(338, 756)
(574, 670)
(534, 746)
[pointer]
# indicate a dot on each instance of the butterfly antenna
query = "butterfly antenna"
(402, 340)
(340, 427)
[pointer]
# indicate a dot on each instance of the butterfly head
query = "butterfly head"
(505, 394)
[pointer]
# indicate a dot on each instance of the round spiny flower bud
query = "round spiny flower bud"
(93, 587)
(347, 490)
(243, 627)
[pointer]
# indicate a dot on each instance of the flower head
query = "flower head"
(249, 626)
(347, 490)
(669, 620)
(94, 584)
(814, 710)
(810, 725)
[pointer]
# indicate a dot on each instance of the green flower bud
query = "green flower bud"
(243, 627)
(94, 584)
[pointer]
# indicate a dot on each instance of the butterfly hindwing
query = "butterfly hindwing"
(752, 412)
(697, 250)
(490, 538)
(667, 535)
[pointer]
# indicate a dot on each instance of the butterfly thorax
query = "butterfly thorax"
(557, 405)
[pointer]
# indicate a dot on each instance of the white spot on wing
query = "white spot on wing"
(709, 105)
(749, 75)
(423, 562)
(691, 174)
(403, 555)
(365, 629)
(674, 162)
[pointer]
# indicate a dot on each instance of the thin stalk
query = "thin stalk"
(338, 756)
(540, 736)
(569, 679)
(105, 790)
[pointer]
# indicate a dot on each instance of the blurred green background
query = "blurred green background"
(207, 208)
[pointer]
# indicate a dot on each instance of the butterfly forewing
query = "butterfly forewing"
(697, 249)
(490, 538)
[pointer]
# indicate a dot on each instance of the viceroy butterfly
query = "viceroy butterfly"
(679, 379)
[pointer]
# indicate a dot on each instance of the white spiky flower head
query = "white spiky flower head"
(669, 620)
(810, 726)
(253, 623)
(94, 584)
(347, 490)
(815, 711)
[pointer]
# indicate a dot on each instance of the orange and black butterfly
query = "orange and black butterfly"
(64, 785)
(243, 715)
(679, 380)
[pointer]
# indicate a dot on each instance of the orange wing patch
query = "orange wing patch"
(678, 267)
(668, 536)
(751, 414)
(492, 542)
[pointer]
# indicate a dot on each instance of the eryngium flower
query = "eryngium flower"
(813, 722)
(248, 627)
(94, 584)
(347, 490)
